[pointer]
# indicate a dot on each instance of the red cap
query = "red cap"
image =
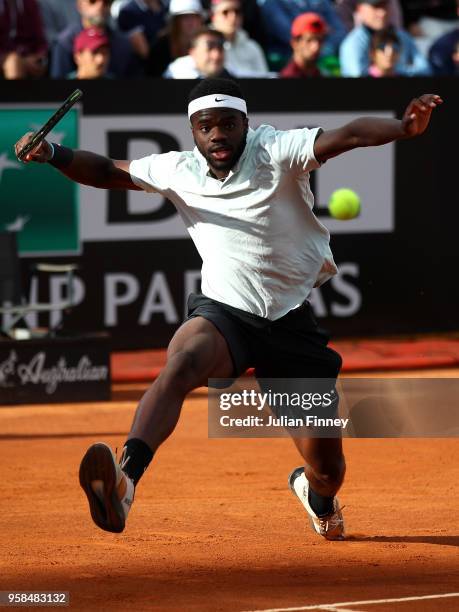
(308, 23)
(92, 39)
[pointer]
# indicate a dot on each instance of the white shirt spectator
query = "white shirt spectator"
(244, 57)
(206, 58)
(182, 68)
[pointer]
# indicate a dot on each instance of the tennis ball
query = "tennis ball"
(344, 204)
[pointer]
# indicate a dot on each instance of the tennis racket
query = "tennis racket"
(44, 131)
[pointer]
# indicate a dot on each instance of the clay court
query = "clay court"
(215, 527)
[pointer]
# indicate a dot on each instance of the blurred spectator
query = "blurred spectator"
(93, 13)
(384, 53)
(355, 49)
(251, 19)
(57, 15)
(444, 53)
(308, 34)
(205, 59)
(429, 19)
(185, 17)
(116, 7)
(23, 46)
(142, 20)
(347, 11)
(91, 54)
(278, 16)
(243, 56)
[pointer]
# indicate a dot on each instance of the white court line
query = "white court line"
(338, 606)
(333, 609)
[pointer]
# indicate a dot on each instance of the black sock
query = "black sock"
(139, 455)
(320, 504)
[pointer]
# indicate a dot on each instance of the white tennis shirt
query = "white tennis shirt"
(262, 248)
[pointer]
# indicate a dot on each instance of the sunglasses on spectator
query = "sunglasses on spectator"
(106, 2)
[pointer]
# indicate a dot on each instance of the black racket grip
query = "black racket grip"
(52, 121)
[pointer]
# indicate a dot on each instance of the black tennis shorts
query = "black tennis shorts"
(291, 347)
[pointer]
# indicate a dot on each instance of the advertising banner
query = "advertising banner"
(37, 202)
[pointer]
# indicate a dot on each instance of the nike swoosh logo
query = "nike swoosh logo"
(220, 99)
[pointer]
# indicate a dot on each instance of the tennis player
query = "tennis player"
(244, 196)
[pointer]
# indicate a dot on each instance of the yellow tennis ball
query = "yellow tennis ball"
(344, 204)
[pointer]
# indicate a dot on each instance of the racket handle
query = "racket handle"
(36, 139)
(50, 124)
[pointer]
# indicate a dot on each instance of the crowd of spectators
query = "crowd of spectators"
(186, 39)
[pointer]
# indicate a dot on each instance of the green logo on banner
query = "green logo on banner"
(36, 201)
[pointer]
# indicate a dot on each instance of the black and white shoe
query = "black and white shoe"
(109, 490)
(331, 526)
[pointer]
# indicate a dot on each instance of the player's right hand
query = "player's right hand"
(41, 153)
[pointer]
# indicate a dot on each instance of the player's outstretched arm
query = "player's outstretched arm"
(372, 131)
(81, 166)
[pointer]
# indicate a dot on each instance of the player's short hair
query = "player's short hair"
(215, 85)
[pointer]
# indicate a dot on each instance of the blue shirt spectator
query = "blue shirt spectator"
(141, 20)
(355, 49)
(278, 16)
(444, 54)
(142, 15)
(57, 15)
(346, 10)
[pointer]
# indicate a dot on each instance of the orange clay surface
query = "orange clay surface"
(214, 525)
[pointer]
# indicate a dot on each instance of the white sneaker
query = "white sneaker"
(331, 526)
(109, 491)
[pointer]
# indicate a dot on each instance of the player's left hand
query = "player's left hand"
(417, 114)
(41, 153)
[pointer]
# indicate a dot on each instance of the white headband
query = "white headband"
(216, 101)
